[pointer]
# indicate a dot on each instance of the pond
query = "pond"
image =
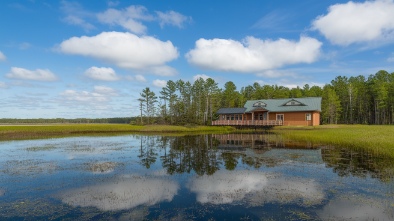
(203, 177)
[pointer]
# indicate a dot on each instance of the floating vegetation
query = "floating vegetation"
(42, 148)
(103, 167)
(28, 167)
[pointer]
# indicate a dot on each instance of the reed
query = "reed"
(43, 131)
(376, 138)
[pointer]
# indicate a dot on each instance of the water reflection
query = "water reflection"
(351, 207)
(205, 177)
(348, 162)
(125, 192)
(254, 188)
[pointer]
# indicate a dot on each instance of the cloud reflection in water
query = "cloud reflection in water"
(124, 193)
(254, 188)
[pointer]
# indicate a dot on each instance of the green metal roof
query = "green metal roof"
(279, 105)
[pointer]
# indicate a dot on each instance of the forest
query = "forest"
(345, 100)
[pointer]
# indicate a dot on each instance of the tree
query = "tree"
(331, 106)
(149, 99)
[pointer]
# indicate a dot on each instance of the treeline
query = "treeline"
(116, 120)
(353, 100)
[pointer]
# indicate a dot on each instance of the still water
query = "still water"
(204, 177)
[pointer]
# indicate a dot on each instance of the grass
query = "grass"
(17, 132)
(376, 138)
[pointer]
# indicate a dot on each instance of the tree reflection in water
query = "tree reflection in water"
(206, 154)
(359, 163)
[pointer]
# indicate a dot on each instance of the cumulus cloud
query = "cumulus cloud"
(254, 188)
(252, 54)
(100, 95)
(159, 83)
(356, 22)
(172, 18)
(198, 76)
(36, 75)
(129, 193)
(103, 74)
(125, 50)
(2, 56)
(128, 18)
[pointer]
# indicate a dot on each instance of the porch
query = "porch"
(247, 123)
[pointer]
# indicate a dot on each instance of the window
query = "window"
(308, 116)
(280, 117)
(294, 103)
(232, 117)
(259, 104)
(240, 117)
(236, 117)
(223, 117)
(227, 117)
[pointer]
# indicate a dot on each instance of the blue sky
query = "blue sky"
(91, 59)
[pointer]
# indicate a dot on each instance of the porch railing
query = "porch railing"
(247, 122)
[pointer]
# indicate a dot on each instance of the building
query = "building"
(287, 111)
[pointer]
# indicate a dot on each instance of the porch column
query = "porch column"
(253, 118)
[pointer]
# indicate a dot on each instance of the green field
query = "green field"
(16, 132)
(376, 138)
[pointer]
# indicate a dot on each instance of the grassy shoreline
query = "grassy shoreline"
(376, 138)
(18, 132)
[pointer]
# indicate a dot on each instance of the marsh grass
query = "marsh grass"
(378, 139)
(18, 132)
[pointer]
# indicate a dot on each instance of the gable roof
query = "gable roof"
(280, 105)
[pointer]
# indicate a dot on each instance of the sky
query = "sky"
(91, 59)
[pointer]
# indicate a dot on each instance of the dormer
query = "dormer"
(293, 103)
(259, 104)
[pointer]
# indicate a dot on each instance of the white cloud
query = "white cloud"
(159, 83)
(100, 96)
(172, 18)
(252, 54)
(2, 56)
(3, 85)
(140, 78)
(24, 45)
(126, 50)
(36, 75)
(128, 192)
(137, 77)
(198, 76)
(104, 90)
(75, 15)
(103, 74)
(75, 20)
(128, 18)
(355, 22)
